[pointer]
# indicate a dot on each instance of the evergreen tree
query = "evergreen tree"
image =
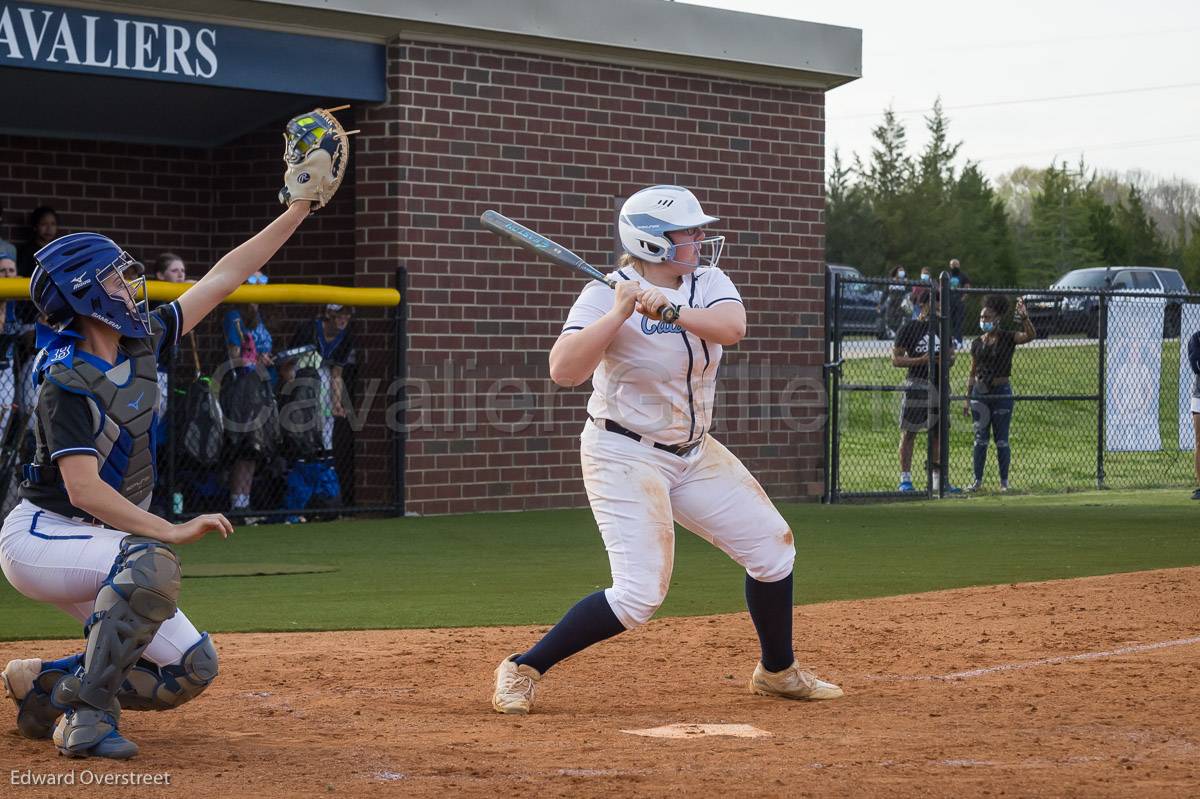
(982, 238)
(1059, 236)
(853, 234)
(1143, 244)
(1109, 240)
(1189, 261)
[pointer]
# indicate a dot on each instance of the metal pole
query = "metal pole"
(1101, 393)
(827, 381)
(171, 415)
(835, 399)
(945, 343)
(400, 434)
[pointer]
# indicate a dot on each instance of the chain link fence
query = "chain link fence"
(267, 413)
(1098, 395)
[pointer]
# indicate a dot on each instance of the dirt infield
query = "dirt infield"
(1084, 687)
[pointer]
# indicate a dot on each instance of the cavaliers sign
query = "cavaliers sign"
(37, 36)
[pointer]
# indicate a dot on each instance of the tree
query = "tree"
(853, 233)
(980, 231)
(1190, 254)
(1142, 243)
(1058, 238)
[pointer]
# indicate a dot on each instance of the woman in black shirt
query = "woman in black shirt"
(991, 404)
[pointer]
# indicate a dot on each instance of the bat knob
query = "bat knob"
(669, 313)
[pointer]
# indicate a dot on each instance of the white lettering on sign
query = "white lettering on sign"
(71, 37)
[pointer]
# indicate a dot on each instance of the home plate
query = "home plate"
(701, 730)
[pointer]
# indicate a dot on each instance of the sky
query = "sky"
(988, 55)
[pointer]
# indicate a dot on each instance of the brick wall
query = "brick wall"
(557, 144)
(552, 142)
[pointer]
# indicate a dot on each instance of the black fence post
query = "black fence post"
(833, 488)
(1101, 388)
(826, 379)
(400, 434)
(170, 413)
(945, 344)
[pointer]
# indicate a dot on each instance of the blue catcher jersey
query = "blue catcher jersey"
(85, 406)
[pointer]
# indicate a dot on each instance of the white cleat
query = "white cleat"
(514, 687)
(791, 683)
(18, 677)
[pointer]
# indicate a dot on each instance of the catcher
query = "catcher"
(81, 538)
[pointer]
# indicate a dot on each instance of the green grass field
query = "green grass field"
(524, 568)
(1053, 443)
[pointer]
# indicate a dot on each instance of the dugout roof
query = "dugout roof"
(203, 72)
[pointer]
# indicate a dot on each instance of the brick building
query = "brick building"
(553, 120)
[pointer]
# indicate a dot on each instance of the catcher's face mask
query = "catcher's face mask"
(124, 280)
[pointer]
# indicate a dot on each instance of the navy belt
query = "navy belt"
(674, 449)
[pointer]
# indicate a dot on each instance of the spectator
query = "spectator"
(43, 225)
(248, 346)
(893, 309)
(1194, 359)
(311, 476)
(7, 248)
(958, 303)
(918, 410)
(912, 297)
(990, 403)
(43, 229)
(332, 338)
(169, 268)
(10, 424)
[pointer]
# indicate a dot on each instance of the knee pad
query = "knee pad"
(152, 687)
(139, 595)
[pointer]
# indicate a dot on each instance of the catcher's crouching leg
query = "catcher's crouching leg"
(152, 687)
(137, 598)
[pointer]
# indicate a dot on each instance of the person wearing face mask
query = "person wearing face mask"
(892, 306)
(958, 305)
(919, 405)
(988, 386)
(913, 297)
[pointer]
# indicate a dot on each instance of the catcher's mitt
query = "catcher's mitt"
(316, 151)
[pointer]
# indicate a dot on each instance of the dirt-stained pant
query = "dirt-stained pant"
(50, 558)
(637, 491)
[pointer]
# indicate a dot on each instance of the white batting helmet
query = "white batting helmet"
(647, 217)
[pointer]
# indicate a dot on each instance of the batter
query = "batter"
(648, 457)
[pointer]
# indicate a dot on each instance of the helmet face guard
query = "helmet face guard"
(115, 281)
(708, 252)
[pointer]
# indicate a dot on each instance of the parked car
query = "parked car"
(859, 312)
(1054, 313)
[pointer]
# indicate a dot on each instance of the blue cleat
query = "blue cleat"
(907, 487)
(88, 732)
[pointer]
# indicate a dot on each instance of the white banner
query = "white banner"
(1189, 323)
(1133, 368)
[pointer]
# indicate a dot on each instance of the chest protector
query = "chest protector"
(123, 416)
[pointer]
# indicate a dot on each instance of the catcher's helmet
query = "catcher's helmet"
(647, 217)
(86, 274)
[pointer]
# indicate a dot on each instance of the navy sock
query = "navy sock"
(770, 607)
(590, 621)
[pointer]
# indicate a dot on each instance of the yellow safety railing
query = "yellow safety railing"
(17, 288)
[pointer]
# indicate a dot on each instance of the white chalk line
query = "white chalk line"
(1029, 664)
